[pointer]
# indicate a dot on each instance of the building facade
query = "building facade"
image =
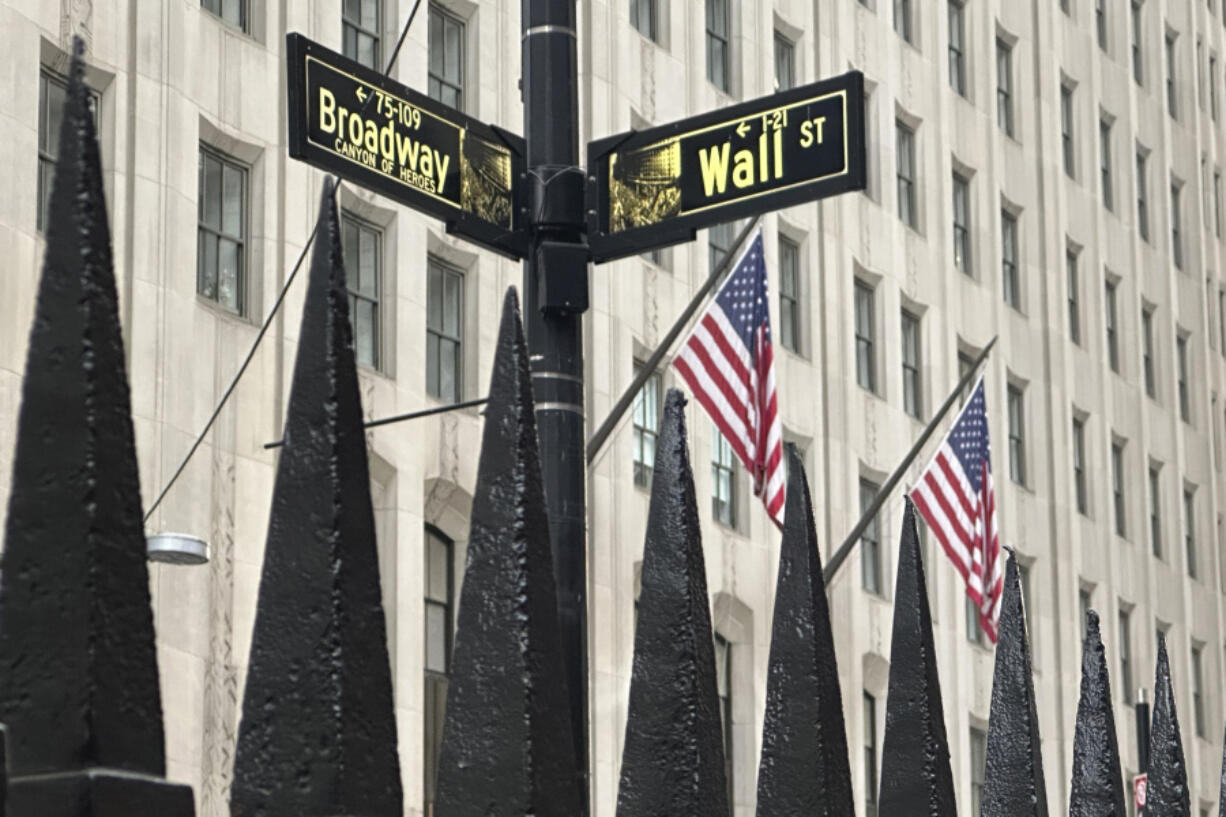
(1046, 173)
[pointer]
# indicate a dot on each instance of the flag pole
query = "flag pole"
(601, 435)
(840, 555)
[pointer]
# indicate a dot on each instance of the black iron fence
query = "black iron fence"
(79, 694)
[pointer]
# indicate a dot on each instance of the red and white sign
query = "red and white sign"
(1138, 789)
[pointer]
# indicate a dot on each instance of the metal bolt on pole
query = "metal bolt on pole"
(555, 295)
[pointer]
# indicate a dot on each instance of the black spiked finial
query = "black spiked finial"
(1013, 779)
(79, 690)
(1097, 787)
(804, 768)
(673, 760)
(318, 731)
(507, 744)
(1167, 791)
(916, 780)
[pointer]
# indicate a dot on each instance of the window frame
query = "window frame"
(226, 161)
(1106, 176)
(352, 279)
(1124, 634)
(435, 678)
(217, 9)
(445, 270)
(871, 572)
(458, 86)
(1190, 545)
(1138, 53)
(790, 312)
(1155, 510)
(1181, 371)
(1100, 24)
(1016, 413)
(1172, 68)
(871, 772)
(723, 461)
(1111, 323)
(1010, 261)
(1142, 196)
(957, 48)
(1118, 490)
(723, 82)
(864, 305)
(724, 669)
(1067, 126)
(1004, 86)
(1177, 223)
(785, 48)
(905, 173)
(978, 750)
(1073, 284)
(652, 23)
(1198, 703)
(361, 30)
(912, 376)
(644, 426)
(1081, 493)
(1147, 352)
(903, 29)
(962, 224)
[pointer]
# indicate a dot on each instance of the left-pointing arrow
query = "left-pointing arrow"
(742, 129)
(361, 92)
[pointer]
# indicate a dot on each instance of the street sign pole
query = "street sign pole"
(555, 295)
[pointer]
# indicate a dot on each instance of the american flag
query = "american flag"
(729, 365)
(956, 497)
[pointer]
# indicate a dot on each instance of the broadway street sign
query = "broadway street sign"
(656, 187)
(349, 120)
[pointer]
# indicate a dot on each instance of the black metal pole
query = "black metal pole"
(412, 415)
(840, 555)
(623, 403)
(555, 295)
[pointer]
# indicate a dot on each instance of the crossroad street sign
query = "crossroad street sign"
(655, 187)
(349, 120)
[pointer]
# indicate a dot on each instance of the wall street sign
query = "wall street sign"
(349, 120)
(655, 187)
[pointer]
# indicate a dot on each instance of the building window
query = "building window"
(446, 74)
(1074, 296)
(646, 427)
(52, 97)
(221, 233)
(1170, 77)
(905, 157)
(233, 12)
(1117, 489)
(789, 294)
(1198, 698)
(1142, 197)
(1213, 87)
(1100, 22)
(1104, 169)
(1217, 202)
(979, 759)
(1084, 603)
(1189, 529)
(1008, 259)
(1113, 342)
(1066, 131)
(1181, 360)
(1138, 57)
(444, 331)
(1155, 511)
(719, 244)
(360, 28)
(644, 17)
(723, 688)
(912, 390)
(1004, 87)
(785, 63)
(439, 581)
(962, 224)
(1221, 311)
(717, 44)
(1017, 436)
(1126, 655)
(965, 363)
(362, 245)
(870, 755)
(866, 363)
(1147, 351)
(902, 19)
(723, 479)
(870, 541)
(957, 47)
(1176, 226)
(1079, 466)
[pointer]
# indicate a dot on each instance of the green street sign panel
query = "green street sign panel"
(354, 122)
(656, 187)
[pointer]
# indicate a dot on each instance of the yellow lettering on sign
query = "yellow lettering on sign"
(714, 162)
(812, 131)
(327, 110)
(441, 163)
(742, 173)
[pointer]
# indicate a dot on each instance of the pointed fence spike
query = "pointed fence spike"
(79, 692)
(1097, 787)
(1167, 789)
(318, 731)
(507, 744)
(1013, 778)
(804, 768)
(673, 756)
(916, 780)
